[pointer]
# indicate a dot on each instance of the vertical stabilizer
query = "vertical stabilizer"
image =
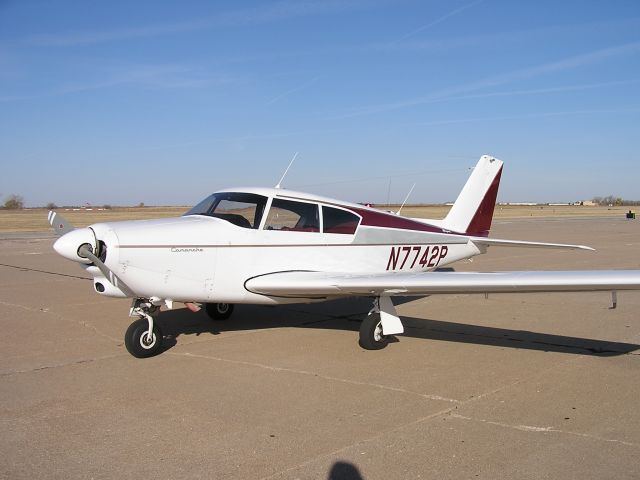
(473, 210)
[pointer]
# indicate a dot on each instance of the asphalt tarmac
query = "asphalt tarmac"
(509, 386)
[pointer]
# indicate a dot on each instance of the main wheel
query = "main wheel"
(137, 342)
(371, 337)
(219, 311)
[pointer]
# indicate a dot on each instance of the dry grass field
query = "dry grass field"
(35, 219)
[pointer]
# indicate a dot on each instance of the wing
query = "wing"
(324, 284)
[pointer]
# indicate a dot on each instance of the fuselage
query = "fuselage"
(208, 255)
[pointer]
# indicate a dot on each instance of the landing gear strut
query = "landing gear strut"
(143, 337)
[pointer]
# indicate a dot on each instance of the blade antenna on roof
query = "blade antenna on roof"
(406, 198)
(285, 172)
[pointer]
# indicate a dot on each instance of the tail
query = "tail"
(472, 212)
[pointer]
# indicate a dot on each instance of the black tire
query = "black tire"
(135, 339)
(371, 337)
(219, 311)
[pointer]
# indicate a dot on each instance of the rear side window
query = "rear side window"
(293, 216)
(335, 220)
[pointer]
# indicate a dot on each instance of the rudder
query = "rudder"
(472, 211)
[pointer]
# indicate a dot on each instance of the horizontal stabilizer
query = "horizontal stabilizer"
(520, 243)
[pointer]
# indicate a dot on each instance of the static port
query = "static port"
(99, 287)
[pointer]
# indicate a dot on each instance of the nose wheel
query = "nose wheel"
(138, 341)
(143, 338)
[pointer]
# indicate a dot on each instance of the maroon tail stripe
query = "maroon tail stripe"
(481, 222)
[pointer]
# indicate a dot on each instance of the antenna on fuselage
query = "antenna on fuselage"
(285, 172)
(406, 198)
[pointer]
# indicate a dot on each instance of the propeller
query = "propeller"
(86, 251)
(59, 224)
(79, 245)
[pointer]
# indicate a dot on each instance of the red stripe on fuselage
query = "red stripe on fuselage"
(386, 220)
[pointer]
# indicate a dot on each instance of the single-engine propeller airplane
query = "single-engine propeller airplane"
(275, 246)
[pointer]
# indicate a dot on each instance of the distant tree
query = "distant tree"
(613, 200)
(51, 206)
(107, 207)
(141, 205)
(14, 202)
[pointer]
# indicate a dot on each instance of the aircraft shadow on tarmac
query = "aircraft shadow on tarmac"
(346, 314)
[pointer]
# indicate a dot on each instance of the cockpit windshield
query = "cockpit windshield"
(242, 209)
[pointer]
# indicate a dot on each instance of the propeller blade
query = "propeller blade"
(85, 251)
(59, 224)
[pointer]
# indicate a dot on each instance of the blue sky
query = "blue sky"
(164, 102)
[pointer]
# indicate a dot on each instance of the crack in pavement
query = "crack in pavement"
(391, 430)
(24, 307)
(317, 375)
(118, 342)
(60, 365)
(61, 317)
(534, 429)
(449, 411)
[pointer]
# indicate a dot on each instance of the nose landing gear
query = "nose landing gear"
(143, 338)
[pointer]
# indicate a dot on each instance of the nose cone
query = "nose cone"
(68, 244)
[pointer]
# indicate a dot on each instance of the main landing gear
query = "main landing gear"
(143, 337)
(381, 322)
(371, 336)
(219, 311)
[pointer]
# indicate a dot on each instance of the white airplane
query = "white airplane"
(274, 246)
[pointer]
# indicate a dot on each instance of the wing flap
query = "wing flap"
(325, 284)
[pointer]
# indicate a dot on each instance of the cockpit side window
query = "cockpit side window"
(203, 207)
(335, 220)
(242, 209)
(286, 215)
